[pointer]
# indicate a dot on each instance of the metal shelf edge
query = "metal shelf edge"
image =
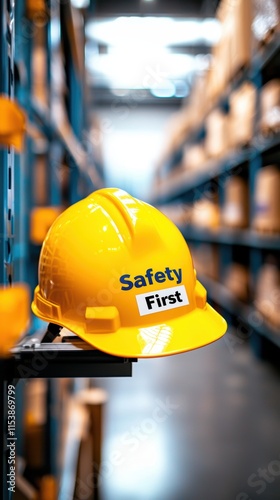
(231, 237)
(186, 180)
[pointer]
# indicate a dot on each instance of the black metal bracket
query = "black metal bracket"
(69, 356)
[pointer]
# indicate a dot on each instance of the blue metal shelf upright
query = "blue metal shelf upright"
(20, 29)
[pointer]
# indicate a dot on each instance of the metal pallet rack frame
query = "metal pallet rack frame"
(36, 356)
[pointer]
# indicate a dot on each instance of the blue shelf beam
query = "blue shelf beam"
(241, 237)
(178, 183)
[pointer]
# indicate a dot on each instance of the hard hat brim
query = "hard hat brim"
(184, 333)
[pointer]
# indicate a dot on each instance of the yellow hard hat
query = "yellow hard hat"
(118, 273)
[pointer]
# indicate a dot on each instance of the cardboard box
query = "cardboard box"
(265, 20)
(216, 141)
(206, 260)
(206, 214)
(179, 213)
(40, 186)
(39, 71)
(236, 19)
(237, 281)
(267, 200)
(242, 114)
(270, 107)
(195, 157)
(34, 423)
(241, 41)
(198, 102)
(219, 72)
(267, 298)
(235, 212)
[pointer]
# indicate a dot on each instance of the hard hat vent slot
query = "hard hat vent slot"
(141, 229)
(125, 204)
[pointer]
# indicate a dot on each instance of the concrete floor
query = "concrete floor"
(204, 425)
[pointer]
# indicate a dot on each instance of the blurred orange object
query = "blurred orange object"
(12, 123)
(35, 8)
(14, 314)
(48, 488)
(41, 219)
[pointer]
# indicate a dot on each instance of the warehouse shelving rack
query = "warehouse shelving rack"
(263, 59)
(246, 314)
(182, 181)
(36, 355)
(241, 237)
(176, 185)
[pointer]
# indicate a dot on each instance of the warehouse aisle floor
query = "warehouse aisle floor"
(204, 425)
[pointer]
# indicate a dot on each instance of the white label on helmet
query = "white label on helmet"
(161, 300)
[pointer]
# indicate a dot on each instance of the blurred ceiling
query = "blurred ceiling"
(148, 50)
(180, 8)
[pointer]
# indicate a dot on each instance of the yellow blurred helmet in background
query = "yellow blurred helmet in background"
(119, 274)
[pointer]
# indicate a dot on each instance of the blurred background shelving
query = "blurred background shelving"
(179, 103)
(46, 164)
(218, 174)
